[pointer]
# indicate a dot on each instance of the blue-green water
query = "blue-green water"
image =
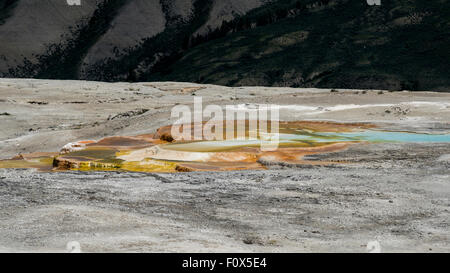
(368, 135)
(311, 138)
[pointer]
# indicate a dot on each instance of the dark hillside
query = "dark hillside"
(402, 44)
(336, 44)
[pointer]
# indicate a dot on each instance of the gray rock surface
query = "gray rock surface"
(403, 204)
(397, 194)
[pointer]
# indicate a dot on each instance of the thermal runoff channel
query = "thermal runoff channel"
(160, 152)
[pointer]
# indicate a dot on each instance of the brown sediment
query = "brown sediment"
(60, 163)
(125, 142)
(146, 136)
(121, 141)
(233, 157)
(163, 132)
(183, 169)
(74, 163)
(33, 156)
(86, 142)
(325, 126)
(295, 155)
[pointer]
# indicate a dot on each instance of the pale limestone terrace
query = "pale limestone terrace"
(394, 193)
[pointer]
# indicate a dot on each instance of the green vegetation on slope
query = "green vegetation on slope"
(6, 8)
(62, 61)
(402, 44)
(154, 53)
(340, 44)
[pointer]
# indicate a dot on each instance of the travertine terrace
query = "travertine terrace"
(395, 192)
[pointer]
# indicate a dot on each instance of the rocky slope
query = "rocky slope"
(298, 43)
